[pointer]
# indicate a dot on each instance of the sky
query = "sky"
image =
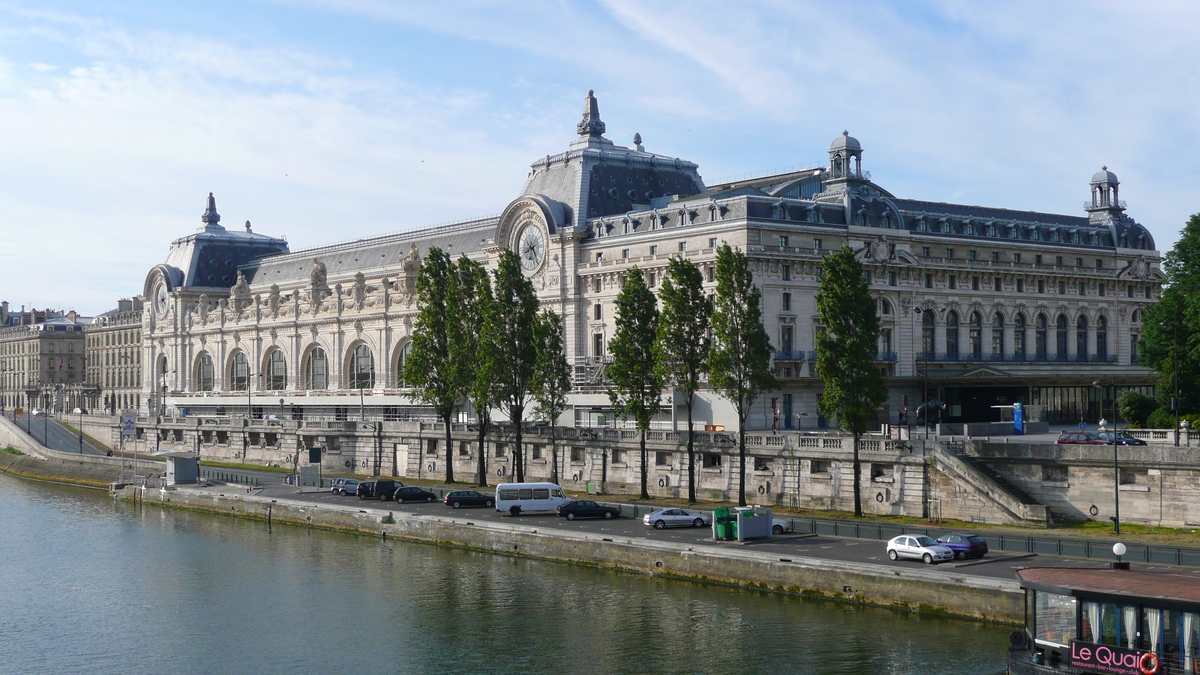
(324, 120)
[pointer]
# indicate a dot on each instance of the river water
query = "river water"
(98, 586)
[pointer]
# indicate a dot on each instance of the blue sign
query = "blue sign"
(1018, 420)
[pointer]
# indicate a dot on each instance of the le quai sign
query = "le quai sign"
(1095, 658)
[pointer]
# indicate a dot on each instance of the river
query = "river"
(92, 585)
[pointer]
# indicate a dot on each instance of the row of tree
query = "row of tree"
(481, 339)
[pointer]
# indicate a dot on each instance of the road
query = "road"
(60, 438)
(998, 564)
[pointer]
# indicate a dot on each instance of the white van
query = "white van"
(517, 498)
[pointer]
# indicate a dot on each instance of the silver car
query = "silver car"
(918, 547)
(676, 518)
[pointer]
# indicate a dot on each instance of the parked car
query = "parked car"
(1079, 438)
(676, 518)
(36, 411)
(413, 494)
(964, 545)
(584, 508)
(779, 526)
(378, 489)
(460, 498)
(345, 486)
(918, 547)
(79, 411)
(1122, 438)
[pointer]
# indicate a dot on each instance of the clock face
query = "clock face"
(160, 299)
(531, 247)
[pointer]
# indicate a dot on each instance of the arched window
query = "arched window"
(952, 334)
(998, 333)
(276, 370)
(885, 307)
(316, 369)
(1060, 341)
(204, 373)
(1102, 337)
(362, 368)
(1039, 338)
(401, 357)
(976, 335)
(928, 319)
(1019, 336)
(1081, 342)
(239, 372)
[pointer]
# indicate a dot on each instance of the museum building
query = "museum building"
(980, 307)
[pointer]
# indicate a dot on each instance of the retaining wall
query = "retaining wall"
(909, 589)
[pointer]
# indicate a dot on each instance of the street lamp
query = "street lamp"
(1116, 467)
(922, 355)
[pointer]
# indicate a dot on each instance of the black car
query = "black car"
(965, 545)
(460, 498)
(413, 494)
(1122, 438)
(382, 490)
(587, 509)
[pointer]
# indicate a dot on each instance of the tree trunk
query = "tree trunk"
(645, 469)
(857, 480)
(449, 446)
(691, 458)
(553, 456)
(741, 457)
(518, 450)
(483, 425)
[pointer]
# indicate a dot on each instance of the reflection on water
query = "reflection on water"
(98, 586)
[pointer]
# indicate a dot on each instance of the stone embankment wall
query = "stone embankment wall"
(1159, 484)
(42, 463)
(910, 589)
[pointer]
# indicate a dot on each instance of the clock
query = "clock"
(531, 247)
(160, 299)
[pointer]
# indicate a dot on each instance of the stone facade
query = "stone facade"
(42, 361)
(114, 352)
(980, 307)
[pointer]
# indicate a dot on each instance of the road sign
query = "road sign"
(128, 424)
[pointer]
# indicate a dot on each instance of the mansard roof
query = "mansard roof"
(383, 252)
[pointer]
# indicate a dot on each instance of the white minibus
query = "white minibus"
(517, 498)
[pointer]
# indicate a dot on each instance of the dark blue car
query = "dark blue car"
(965, 545)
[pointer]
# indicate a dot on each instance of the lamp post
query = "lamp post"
(923, 356)
(80, 430)
(249, 416)
(1116, 466)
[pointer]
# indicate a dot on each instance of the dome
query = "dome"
(845, 142)
(1104, 176)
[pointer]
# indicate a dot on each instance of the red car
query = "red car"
(1079, 438)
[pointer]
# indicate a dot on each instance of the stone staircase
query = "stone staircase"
(1000, 480)
(992, 496)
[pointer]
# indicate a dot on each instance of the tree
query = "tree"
(431, 367)
(1135, 407)
(681, 346)
(846, 349)
(637, 384)
(552, 378)
(510, 325)
(471, 304)
(739, 359)
(1170, 343)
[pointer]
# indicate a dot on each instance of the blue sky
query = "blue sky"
(325, 121)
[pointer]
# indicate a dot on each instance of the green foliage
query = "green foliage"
(510, 325)
(1161, 418)
(11, 450)
(739, 359)
(637, 383)
(1170, 341)
(551, 378)
(846, 348)
(432, 368)
(471, 302)
(682, 343)
(1135, 407)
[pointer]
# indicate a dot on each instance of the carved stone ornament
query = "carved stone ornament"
(241, 293)
(203, 307)
(273, 301)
